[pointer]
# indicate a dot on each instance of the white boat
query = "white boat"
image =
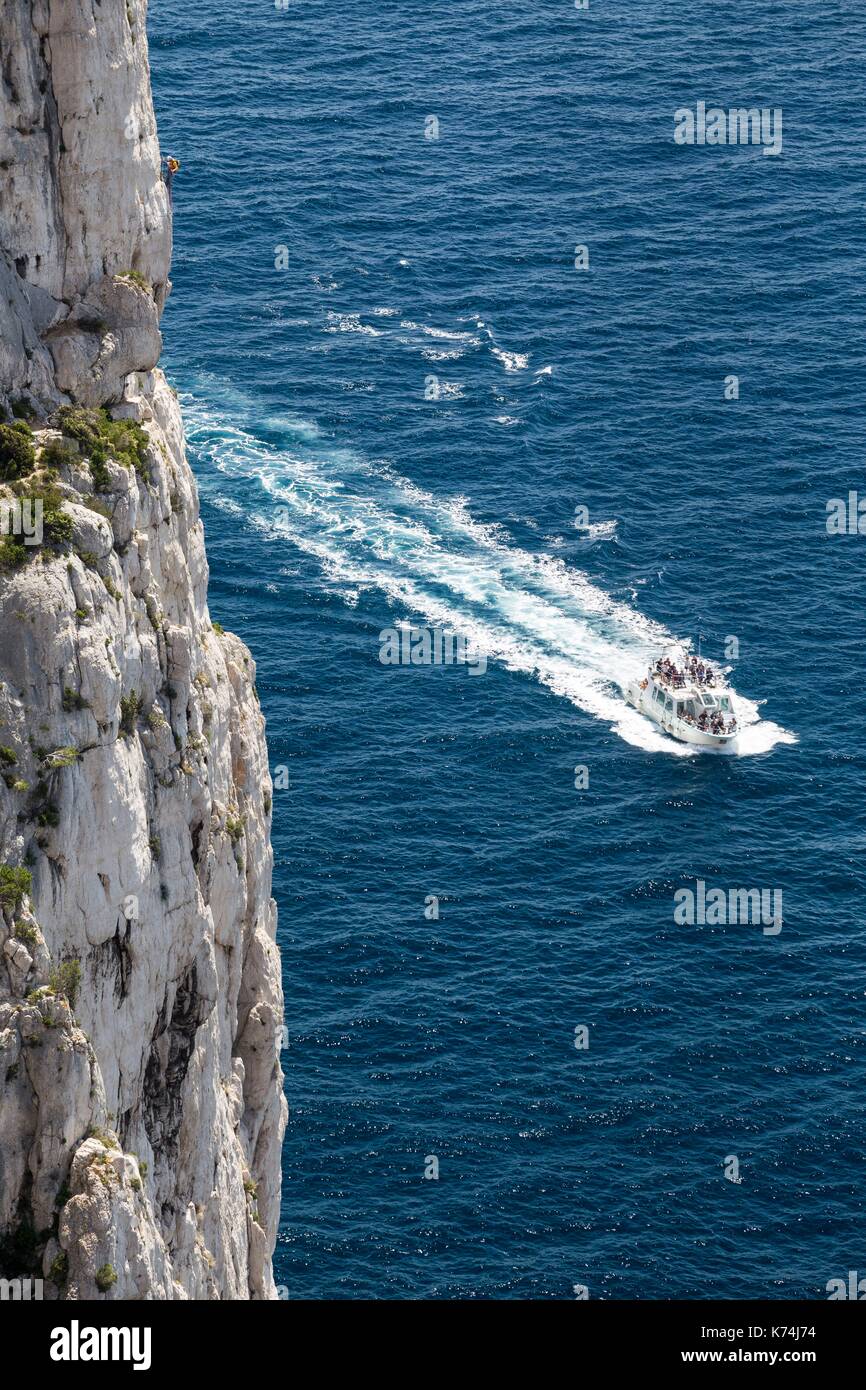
(689, 699)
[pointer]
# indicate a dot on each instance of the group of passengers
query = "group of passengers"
(700, 671)
(714, 723)
(710, 722)
(694, 670)
(669, 673)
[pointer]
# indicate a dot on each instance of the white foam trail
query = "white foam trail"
(599, 530)
(448, 334)
(460, 339)
(350, 323)
(511, 361)
(442, 354)
(369, 528)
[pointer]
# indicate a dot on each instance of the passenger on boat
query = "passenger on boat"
(670, 674)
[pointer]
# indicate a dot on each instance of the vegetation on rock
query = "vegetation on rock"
(101, 438)
(14, 885)
(17, 454)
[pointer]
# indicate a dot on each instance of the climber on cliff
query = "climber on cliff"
(171, 168)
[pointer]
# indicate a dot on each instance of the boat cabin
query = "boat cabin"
(689, 702)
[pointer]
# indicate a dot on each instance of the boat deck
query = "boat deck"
(690, 689)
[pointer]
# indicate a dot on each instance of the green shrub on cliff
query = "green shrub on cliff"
(13, 554)
(80, 424)
(43, 493)
(130, 709)
(14, 885)
(56, 527)
(102, 438)
(66, 979)
(57, 453)
(73, 700)
(17, 454)
(137, 279)
(61, 757)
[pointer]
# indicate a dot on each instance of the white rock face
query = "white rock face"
(141, 1107)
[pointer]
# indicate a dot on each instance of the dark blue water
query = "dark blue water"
(344, 491)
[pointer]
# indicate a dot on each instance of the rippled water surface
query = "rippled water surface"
(398, 425)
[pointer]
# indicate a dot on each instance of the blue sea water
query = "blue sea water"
(341, 497)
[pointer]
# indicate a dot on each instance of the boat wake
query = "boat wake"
(369, 528)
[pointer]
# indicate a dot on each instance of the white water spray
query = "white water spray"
(371, 529)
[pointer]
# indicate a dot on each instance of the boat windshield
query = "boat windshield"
(708, 700)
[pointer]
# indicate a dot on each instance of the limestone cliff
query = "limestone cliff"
(141, 1109)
